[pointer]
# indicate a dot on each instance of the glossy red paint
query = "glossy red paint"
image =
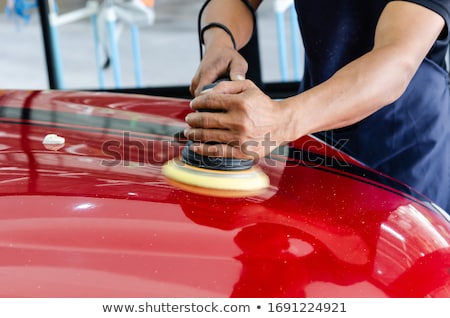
(97, 219)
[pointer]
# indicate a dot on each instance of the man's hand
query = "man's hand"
(244, 121)
(218, 62)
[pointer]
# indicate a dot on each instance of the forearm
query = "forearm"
(233, 14)
(374, 80)
(353, 93)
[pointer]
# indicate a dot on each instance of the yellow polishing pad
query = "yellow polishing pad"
(252, 179)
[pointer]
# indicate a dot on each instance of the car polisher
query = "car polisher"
(218, 176)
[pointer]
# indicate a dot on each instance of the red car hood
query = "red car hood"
(96, 218)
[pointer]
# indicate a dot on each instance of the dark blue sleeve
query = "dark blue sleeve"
(442, 7)
(439, 49)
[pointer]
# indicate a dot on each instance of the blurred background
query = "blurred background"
(166, 50)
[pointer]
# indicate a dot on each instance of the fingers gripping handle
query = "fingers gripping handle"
(215, 163)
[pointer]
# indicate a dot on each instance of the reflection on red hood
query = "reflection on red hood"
(96, 218)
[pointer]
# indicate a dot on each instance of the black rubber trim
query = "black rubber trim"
(214, 163)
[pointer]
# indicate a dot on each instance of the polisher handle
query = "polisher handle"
(214, 163)
(206, 110)
(179, 136)
(209, 86)
(212, 85)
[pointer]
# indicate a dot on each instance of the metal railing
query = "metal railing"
(105, 15)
